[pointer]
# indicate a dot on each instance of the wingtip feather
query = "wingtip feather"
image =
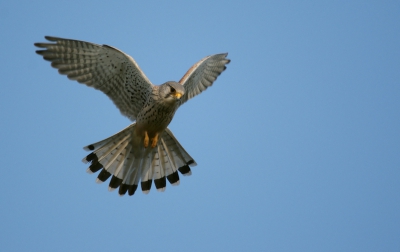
(176, 183)
(89, 147)
(51, 38)
(187, 174)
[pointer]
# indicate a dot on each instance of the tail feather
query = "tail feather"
(119, 171)
(146, 168)
(166, 159)
(96, 146)
(182, 157)
(103, 176)
(114, 158)
(109, 152)
(124, 166)
(157, 169)
(132, 176)
(123, 189)
(124, 157)
(132, 189)
(168, 165)
(104, 147)
(114, 183)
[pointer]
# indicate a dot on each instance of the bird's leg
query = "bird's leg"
(146, 140)
(154, 141)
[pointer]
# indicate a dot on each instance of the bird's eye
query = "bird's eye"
(172, 90)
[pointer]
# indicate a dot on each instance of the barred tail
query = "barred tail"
(123, 156)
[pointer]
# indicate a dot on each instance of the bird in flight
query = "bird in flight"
(146, 150)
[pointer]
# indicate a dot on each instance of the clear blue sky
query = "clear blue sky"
(297, 142)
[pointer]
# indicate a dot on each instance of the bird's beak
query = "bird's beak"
(178, 95)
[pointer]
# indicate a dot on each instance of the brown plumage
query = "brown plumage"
(146, 150)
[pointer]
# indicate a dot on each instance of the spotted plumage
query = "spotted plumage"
(146, 150)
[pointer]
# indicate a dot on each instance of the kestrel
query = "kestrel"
(146, 150)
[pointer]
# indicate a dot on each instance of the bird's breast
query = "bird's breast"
(155, 118)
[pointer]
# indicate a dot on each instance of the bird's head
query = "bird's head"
(172, 91)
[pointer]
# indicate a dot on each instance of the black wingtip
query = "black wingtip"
(146, 185)
(40, 45)
(185, 170)
(123, 189)
(91, 157)
(115, 182)
(41, 52)
(160, 183)
(103, 175)
(132, 189)
(95, 167)
(51, 38)
(173, 178)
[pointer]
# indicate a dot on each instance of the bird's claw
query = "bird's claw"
(153, 140)
(146, 140)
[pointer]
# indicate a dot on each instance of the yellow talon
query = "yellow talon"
(154, 141)
(146, 140)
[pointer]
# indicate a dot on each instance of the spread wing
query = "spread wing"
(202, 75)
(102, 67)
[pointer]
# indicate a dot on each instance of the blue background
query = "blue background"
(297, 142)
